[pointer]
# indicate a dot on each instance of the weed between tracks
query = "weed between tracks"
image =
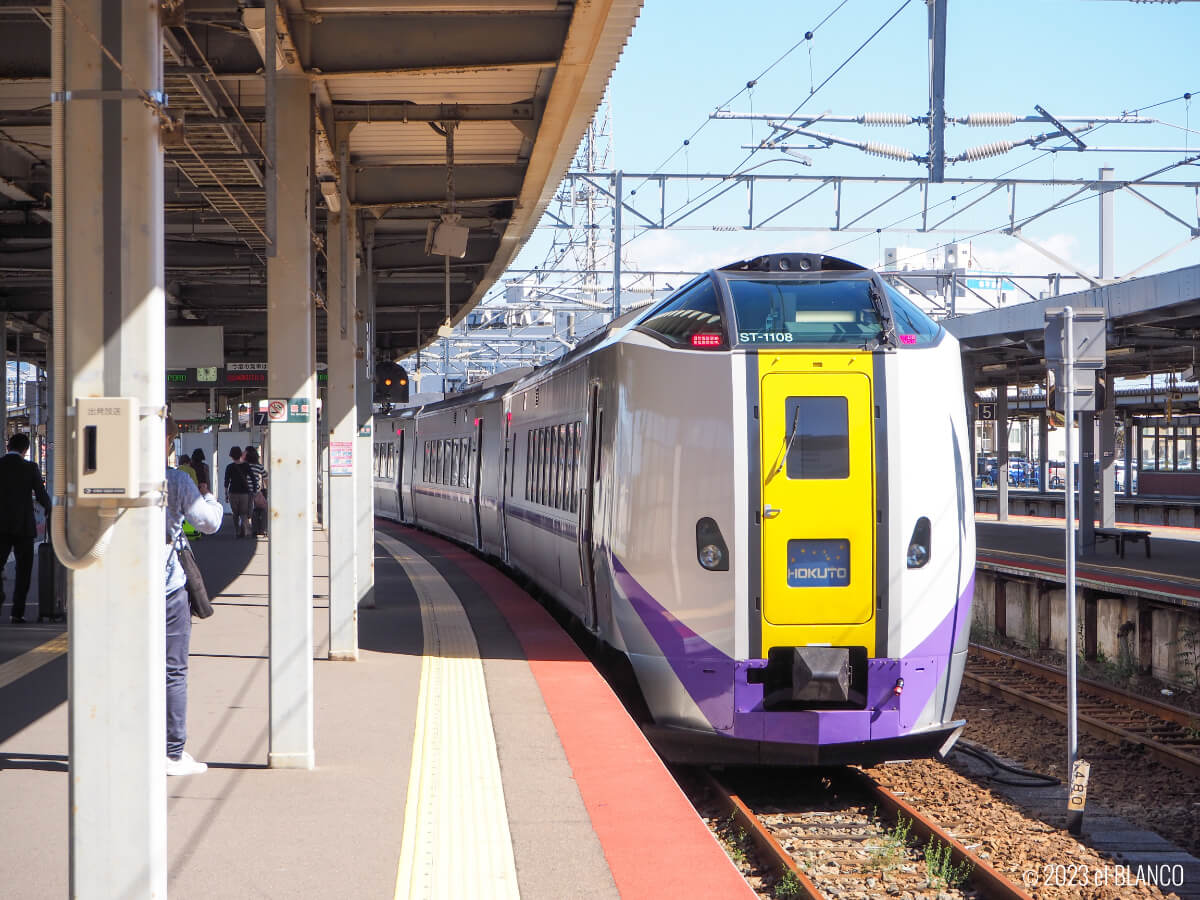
(943, 873)
(890, 851)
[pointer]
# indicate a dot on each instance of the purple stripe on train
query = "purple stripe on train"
(733, 707)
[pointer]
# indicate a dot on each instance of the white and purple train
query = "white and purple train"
(757, 490)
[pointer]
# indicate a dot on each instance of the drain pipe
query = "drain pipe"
(58, 229)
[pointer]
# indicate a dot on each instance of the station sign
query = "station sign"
(233, 375)
(986, 411)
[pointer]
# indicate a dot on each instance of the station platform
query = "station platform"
(1034, 545)
(472, 750)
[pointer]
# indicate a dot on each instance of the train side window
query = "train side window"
(536, 437)
(912, 324)
(534, 468)
(544, 494)
(817, 435)
(464, 462)
(564, 496)
(555, 466)
(528, 463)
(695, 311)
(580, 474)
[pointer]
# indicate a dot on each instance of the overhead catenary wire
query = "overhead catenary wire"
(739, 168)
(806, 39)
(812, 93)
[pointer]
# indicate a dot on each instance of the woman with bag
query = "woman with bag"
(185, 501)
(237, 492)
(258, 491)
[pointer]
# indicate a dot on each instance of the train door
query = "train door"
(508, 473)
(587, 503)
(400, 474)
(818, 493)
(476, 472)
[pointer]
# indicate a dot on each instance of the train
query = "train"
(757, 491)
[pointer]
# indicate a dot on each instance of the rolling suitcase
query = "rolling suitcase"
(49, 608)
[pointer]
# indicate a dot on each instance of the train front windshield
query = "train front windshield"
(814, 311)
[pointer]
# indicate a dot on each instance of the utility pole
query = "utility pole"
(937, 90)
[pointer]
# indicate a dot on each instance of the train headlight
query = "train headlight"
(711, 550)
(919, 546)
(711, 556)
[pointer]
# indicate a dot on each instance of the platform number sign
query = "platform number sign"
(987, 412)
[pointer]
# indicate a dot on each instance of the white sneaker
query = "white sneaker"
(185, 765)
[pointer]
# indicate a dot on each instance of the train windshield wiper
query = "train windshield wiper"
(787, 445)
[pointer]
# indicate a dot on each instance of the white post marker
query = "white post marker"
(1074, 812)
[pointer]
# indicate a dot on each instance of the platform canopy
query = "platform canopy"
(519, 80)
(1153, 326)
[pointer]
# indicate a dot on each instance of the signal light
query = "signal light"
(391, 384)
(707, 340)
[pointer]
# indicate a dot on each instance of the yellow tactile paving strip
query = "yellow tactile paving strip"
(32, 659)
(456, 839)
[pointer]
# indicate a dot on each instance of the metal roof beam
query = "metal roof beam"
(399, 111)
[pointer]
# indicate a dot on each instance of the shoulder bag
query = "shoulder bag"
(198, 600)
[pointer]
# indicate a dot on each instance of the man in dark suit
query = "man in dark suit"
(20, 481)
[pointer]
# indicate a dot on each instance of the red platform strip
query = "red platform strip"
(655, 843)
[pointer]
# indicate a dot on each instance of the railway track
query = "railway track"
(1165, 733)
(844, 835)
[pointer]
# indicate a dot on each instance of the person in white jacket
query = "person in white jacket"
(196, 505)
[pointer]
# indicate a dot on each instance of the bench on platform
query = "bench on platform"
(1121, 536)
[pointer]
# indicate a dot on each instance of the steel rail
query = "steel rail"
(1096, 688)
(984, 878)
(1089, 724)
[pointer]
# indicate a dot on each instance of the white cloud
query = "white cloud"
(1021, 259)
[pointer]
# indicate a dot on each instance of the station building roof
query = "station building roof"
(522, 77)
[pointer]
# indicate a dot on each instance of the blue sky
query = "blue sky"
(1074, 57)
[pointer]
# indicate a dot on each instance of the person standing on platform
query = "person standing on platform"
(237, 492)
(258, 485)
(20, 482)
(200, 467)
(185, 502)
(185, 466)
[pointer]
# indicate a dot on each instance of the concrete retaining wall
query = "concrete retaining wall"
(1146, 636)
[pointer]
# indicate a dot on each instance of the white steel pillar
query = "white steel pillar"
(1108, 458)
(110, 323)
(291, 379)
(1002, 451)
(364, 450)
(1107, 245)
(341, 414)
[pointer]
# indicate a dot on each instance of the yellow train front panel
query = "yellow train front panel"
(818, 499)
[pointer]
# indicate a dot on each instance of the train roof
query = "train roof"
(793, 263)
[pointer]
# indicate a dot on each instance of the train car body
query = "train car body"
(756, 490)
